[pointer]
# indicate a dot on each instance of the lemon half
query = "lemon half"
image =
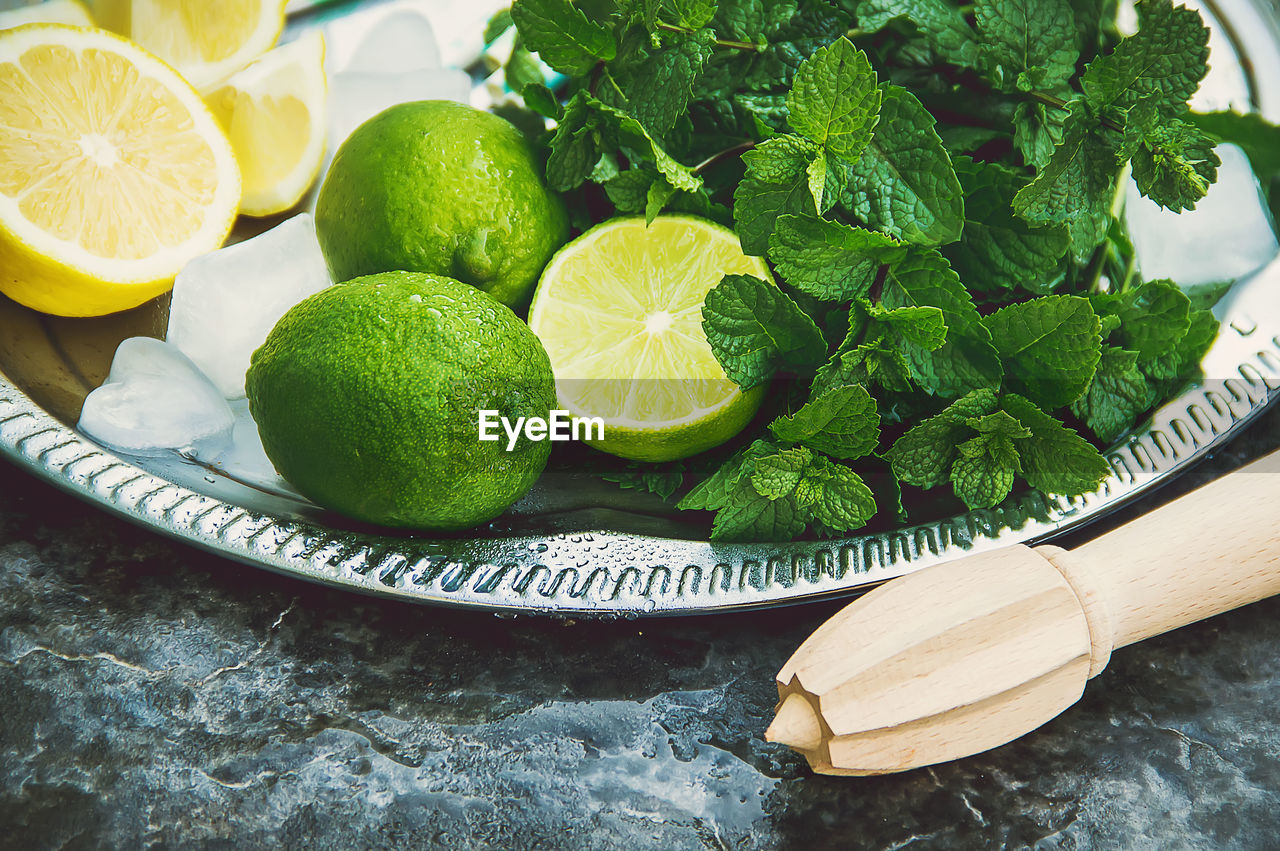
(275, 112)
(619, 311)
(113, 172)
(205, 41)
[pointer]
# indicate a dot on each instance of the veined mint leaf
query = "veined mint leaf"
(562, 35)
(1154, 316)
(842, 422)
(829, 260)
(984, 470)
(1175, 165)
(754, 329)
(925, 327)
(835, 100)
(1027, 45)
(924, 454)
(542, 100)
(998, 251)
(1076, 186)
(1116, 396)
(715, 491)
(939, 21)
(1050, 347)
(968, 360)
(688, 14)
(904, 183)
(835, 497)
(752, 20)
(629, 190)
(1037, 130)
(776, 183)
(656, 89)
(1165, 61)
(630, 134)
(575, 147)
(1055, 459)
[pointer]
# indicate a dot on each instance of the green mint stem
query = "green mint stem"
(719, 156)
(1059, 103)
(736, 45)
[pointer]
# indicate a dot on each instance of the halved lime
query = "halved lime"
(619, 311)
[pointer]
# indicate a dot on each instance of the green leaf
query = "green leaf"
(997, 250)
(829, 260)
(939, 21)
(925, 327)
(968, 360)
(1055, 459)
(659, 195)
(834, 99)
(633, 137)
(1116, 396)
(1153, 317)
(1037, 131)
(754, 329)
(562, 35)
(629, 190)
(1076, 186)
(842, 422)
(1175, 165)
(983, 473)
(1050, 347)
(1164, 61)
(1027, 44)
(751, 20)
(575, 146)
(657, 88)
(542, 100)
(689, 14)
(776, 183)
(498, 24)
(715, 491)
(904, 183)
(924, 454)
(836, 497)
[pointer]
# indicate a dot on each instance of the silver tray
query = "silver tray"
(578, 547)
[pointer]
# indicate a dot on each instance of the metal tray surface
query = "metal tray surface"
(563, 554)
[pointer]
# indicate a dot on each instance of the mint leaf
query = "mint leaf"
(575, 146)
(542, 100)
(1037, 131)
(631, 135)
(1154, 316)
(1027, 45)
(834, 99)
(904, 183)
(1175, 165)
(754, 329)
(967, 360)
(1055, 459)
(842, 422)
(1116, 396)
(750, 20)
(924, 454)
(1164, 61)
(629, 190)
(925, 327)
(688, 14)
(715, 491)
(656, 89)
(776, 183)
(1076, 186)
(562, 35)
(939, 21)
(983, 473)
(997, 250)
(1050, 347)
(829, 260)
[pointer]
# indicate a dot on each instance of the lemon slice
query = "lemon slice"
(206, 41)
(619, 311)
(51, 12)
(113, 172)
(274, 112)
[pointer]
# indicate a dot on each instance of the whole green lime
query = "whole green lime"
(436, 186)
(368, 396)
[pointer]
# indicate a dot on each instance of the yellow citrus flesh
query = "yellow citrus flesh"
(70, 12)
(113, 173)
(619, 311)
(274, 112)
(205, 41)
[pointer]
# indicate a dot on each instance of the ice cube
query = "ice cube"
(242, 457)
(226, 302)
(400, 41)
(155, 399)
(357, 96)
(1227, 235)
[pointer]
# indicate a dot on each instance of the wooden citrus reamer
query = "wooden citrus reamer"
(962, 657)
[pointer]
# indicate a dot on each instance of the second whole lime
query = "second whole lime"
(439, 187)
(368, 396)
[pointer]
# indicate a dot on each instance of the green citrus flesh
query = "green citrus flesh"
(367, 398)
(619, 311)
(439, 187)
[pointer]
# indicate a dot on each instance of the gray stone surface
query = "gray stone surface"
(151, 695)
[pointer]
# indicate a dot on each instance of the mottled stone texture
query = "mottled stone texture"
(151, 695)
